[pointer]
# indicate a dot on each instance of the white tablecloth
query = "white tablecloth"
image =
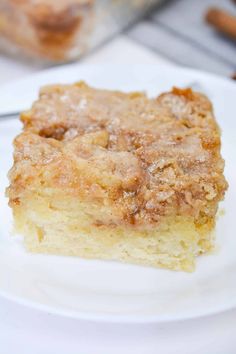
(27, 331)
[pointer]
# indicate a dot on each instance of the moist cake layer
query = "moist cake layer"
(135, 164)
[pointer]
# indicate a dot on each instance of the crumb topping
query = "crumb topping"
(145, 158)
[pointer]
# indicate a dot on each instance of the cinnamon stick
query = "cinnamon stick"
(233, 76)
(223, 21)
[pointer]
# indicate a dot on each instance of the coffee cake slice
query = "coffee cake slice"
(111, 175)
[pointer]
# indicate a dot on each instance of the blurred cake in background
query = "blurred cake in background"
(62, 30)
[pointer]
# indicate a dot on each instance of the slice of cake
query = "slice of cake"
(55, 30)
(110, 175)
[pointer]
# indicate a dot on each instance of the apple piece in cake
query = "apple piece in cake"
(111, 175)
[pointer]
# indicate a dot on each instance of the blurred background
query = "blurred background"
(35, 34)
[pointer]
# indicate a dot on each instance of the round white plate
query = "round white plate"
(108, 291)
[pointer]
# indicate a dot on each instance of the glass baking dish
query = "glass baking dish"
(63, 30)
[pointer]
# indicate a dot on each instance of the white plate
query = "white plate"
(108, 291)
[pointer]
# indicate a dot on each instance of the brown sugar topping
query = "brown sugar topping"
(146, 158)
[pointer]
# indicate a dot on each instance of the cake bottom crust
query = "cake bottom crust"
(70, 229)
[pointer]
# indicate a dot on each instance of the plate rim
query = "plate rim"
(110, 318)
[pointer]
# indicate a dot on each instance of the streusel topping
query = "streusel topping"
(145, 158)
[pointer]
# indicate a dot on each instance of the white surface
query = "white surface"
(120, 50)
(28, 331)
(88, 289)
(23, 331)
